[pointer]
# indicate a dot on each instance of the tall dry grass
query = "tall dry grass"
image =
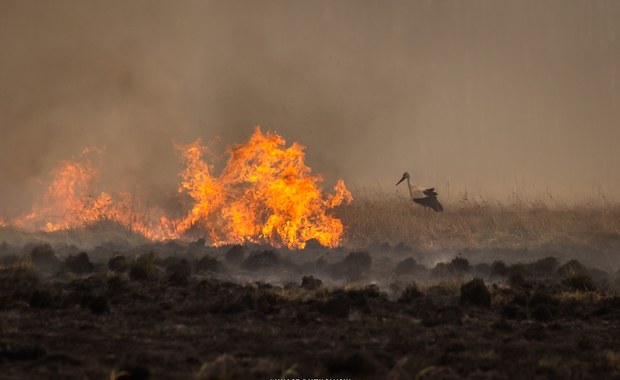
(516, 223)
(376, 216)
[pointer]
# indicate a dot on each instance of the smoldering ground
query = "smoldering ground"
(181, 310)
(494, 100)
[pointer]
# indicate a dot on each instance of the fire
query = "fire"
(265, 193)
(69, 202)
(66, 203)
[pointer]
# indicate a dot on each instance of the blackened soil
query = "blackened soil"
(142, 317)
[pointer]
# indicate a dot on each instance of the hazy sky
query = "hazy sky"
(489, 96)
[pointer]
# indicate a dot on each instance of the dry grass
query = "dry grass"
(613, 360)
(375, 217)
(18, 272)
(591, 297)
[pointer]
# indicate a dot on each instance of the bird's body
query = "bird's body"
(425, 196)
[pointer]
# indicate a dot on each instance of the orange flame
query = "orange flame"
(266, 193)
(67, 202)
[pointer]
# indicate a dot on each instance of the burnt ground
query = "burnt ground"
(190, 311)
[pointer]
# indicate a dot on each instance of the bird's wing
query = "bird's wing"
(431, 202)
(430, 192)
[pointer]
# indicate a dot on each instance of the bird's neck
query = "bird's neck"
(409, 186)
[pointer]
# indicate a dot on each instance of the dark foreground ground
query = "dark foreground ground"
(188, 311)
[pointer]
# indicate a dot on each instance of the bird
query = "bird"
(421, 195)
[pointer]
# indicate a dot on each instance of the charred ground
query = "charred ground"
(182, 310)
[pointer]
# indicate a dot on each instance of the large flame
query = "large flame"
(265, 193)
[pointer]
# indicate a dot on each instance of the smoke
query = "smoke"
(492, 97)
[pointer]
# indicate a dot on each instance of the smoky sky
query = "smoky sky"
(491, 97)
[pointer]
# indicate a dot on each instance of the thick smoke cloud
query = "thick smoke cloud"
(492, 97)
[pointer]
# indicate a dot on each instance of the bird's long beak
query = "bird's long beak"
(401, 180)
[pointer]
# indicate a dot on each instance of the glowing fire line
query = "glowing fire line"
(265, 193)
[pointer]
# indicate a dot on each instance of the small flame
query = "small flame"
(265, 193)
(66, 202)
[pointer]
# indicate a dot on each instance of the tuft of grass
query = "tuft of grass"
(475, 293)
(426, 372)
(143, 268)
(451, 285)
(410, 293)
(18, 272)
(578, 282)
(551, 365)
(592, 297)
(118, 374)
(290, 373)
(224, 367)
(613, 360)
(23, 266)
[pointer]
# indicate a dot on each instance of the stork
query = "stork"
(421, 195)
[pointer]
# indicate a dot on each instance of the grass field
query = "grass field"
(375, 217)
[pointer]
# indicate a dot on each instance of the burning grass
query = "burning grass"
(265, 194)
(375, 217)
(391, 222)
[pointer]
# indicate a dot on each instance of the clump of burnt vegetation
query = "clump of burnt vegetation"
(79, 263)
(352, 267)
(143, 267)
(118, 264)
(475, 293)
